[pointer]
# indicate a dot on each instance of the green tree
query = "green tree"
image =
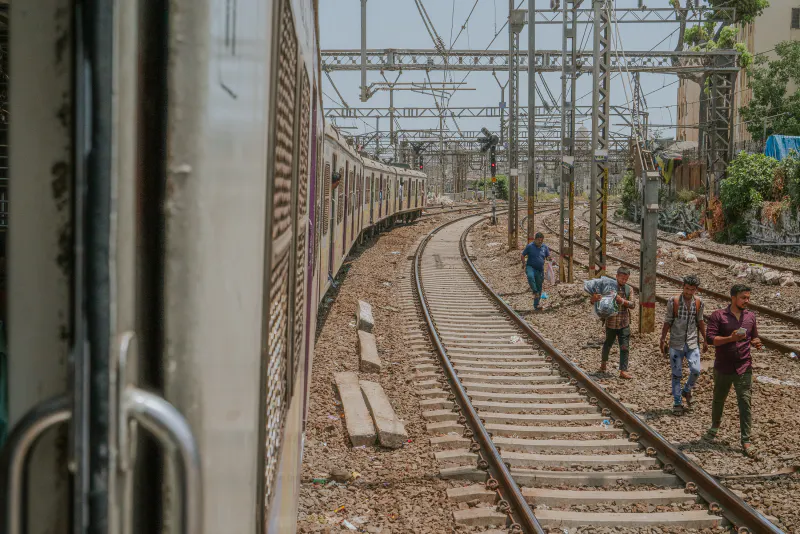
(770, 81)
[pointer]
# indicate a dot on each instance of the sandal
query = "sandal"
(677, 409)
(711, 434)
(750, 451)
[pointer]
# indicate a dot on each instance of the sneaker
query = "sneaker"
(711, 434)
(625, 374)
(750, 451)
(603, 367)
(688, 396)
(677, 409)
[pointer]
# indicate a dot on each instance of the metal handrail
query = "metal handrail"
(167, 424)
(23, 437)
(734, 508)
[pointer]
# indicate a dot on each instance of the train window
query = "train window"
(340, 199)
(369, 188)
(326, 199)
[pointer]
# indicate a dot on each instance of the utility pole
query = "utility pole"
(364, 95)
(600, 133)
(531, 118)
(648, 249)
(516, 19)
(568, 80)
(501, 106)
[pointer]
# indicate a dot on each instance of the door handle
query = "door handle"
(15, 454)
(169, 427)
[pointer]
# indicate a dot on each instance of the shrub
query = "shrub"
(749, 183)
(630, 192)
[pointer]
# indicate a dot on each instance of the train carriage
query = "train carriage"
(178, 210)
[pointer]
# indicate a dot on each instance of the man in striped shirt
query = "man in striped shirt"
(618, 326)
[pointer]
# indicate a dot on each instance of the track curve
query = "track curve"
(554, 426)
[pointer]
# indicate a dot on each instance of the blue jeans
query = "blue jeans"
(535, 280)
(676, 357)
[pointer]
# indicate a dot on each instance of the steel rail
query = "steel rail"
(768, 342)
(498, 468)
(738, 512)
(716, 253)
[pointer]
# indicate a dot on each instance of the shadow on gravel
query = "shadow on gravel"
(703, 445)
(330, 296)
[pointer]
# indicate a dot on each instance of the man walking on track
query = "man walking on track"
(618, 326)
(683, 321)
(537, 252)
(732, 331)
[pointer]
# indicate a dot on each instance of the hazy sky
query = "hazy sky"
(397, 24)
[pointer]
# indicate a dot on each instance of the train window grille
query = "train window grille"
(326, 199)
(4, 122)
(275, 395)
(340, 199)
(298, 326)
(368, 194)
(796, 18)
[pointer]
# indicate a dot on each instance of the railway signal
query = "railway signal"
(493, 163)
(420, 162)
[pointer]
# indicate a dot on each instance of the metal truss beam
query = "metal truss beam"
(600, 139)
(546, 60)
(658, 15)
(542, 112)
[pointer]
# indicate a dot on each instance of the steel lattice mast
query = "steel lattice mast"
(568, 80)
(600, 140)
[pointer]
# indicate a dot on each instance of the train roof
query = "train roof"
(334, 134)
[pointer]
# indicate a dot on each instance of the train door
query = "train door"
(88, 142)
(371, 196)
(345, 205)
(400, 196)
(333, 216)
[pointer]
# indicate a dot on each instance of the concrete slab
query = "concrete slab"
(391, 432)
(480, 517)
(566, 519)
(364, 318)
(370, 362)
(356, 414)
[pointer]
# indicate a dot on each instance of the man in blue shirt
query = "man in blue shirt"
(536, 252)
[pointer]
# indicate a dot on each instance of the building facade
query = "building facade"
(779, 22)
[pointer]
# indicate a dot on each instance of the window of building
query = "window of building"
(796, 18)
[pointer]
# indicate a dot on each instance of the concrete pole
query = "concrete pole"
(648, 249)
(364, 97)
(531, 118)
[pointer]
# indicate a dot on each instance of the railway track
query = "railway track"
(778, 330)
(543, 445)
(705, 254)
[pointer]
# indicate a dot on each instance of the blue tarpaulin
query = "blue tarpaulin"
(779, 146)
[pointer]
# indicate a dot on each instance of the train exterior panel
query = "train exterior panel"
(231, 206)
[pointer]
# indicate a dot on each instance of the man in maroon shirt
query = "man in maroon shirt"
(732, 330)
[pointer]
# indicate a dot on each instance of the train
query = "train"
(177, 210)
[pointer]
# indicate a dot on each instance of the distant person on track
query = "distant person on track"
(683, 321)
(618, 326)
(537, 253)
(732, 331)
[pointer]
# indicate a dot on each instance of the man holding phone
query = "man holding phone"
(732, 331)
